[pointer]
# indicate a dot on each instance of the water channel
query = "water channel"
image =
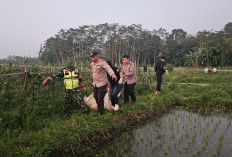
(177, 133)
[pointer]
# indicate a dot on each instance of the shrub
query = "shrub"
(169, 67)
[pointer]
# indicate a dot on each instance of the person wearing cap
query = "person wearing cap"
(99, 67)
(159, 69)
(72, 82)
(129, 73)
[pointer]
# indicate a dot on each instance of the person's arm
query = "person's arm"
(131, 70)
(81, 82)
(162, 67)
(59, 74)
(106, 66)
(46, 80)
(123, 72)
(121, 78)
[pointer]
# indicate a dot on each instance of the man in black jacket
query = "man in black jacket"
(115, 86)
(159, 69)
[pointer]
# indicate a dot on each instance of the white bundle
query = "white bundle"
(91, 102)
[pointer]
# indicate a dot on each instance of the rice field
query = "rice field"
(179, 132)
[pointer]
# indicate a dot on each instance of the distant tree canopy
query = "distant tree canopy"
(18, 60)
(143, 46)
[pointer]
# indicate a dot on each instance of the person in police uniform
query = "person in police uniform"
(72, 82)
(129, 73)
(99, 67)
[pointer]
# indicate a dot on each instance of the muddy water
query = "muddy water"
(177, 133)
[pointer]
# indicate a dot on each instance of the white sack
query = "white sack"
(91, 102)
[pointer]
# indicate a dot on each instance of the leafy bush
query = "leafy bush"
(169, 67)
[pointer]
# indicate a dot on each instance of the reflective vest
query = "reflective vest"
(71, 78)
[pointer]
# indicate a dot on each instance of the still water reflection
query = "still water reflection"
(177, 133)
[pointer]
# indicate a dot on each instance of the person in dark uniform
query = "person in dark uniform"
(159, 69)
(145, 68)
(115, 86)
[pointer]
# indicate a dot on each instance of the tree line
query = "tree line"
(206, 48)
(18, 60)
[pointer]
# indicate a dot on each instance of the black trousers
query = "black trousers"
(129, 90)
(159, 81)
(99, 94)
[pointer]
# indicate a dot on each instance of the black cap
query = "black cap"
(93, 54)
(163, 57)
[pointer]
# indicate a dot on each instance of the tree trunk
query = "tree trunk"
(62, 58)
(119, 53)
(154, 61)
(144, 59)
(138, 61)
(74, 58)
(58, 60)
(119, 58)
(115, 53)
(81, 49)
(112, 54)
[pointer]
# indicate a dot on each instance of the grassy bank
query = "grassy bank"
(42, 127)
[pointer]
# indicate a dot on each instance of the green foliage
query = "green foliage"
(35, 123)
(169, 67)
(104, 57)
(178, 47)
(8, 68)
(85, 59)
(18, 60)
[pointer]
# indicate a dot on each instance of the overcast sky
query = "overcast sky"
(26, 24)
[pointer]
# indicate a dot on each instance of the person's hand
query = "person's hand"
(114, 77)
(120, 81)
(47, 79)
(44, 82)
(121, 75)
(84, 88)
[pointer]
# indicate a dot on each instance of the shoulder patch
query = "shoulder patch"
(102, 60)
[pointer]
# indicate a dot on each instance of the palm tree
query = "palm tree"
(193, 58)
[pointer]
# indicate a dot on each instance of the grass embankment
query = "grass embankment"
(44, 129)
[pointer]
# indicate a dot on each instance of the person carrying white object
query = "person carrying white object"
(99, 69)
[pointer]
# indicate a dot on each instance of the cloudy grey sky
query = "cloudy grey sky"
(25, 24)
